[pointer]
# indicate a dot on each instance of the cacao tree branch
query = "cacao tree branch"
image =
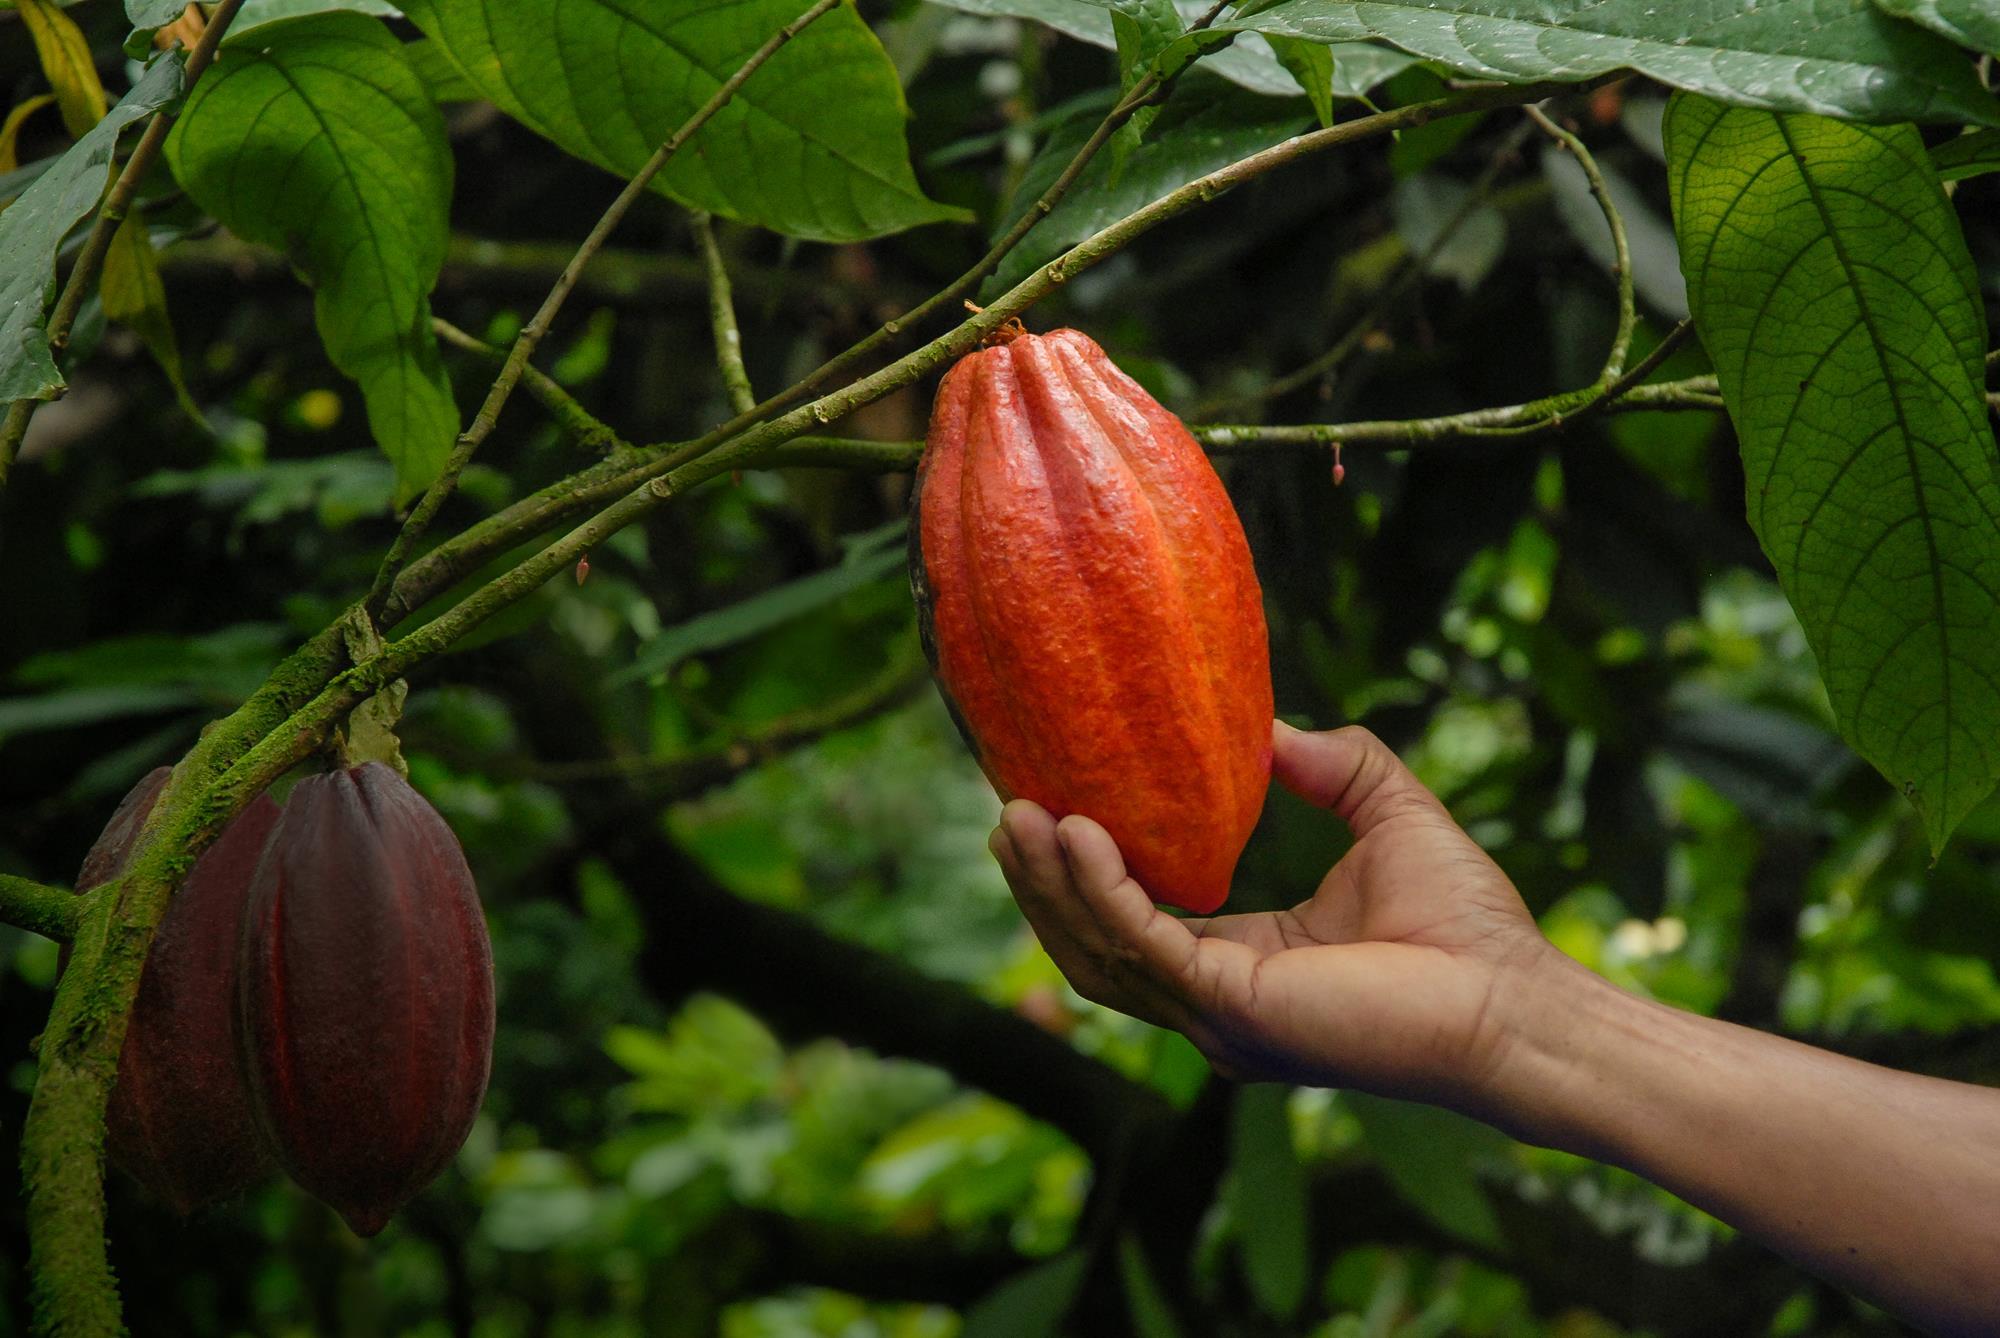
(1701, 393)
(1549, 414)
(1553, 413)
(38, 907)
(117, 203)
(624, 473)
(1621, 264)
(576, 422)
(1151, 88)
(722, 318)
(531, 334)
(62, 1138)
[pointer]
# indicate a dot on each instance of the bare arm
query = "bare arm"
(1416, 971)
(1886, 1183)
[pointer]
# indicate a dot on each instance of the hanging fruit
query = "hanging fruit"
(1087, 599)
(179, 1120)
(367, 993)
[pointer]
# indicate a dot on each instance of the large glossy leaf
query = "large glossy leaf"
(1199, 130)
(610, 80)
(1268, 1199)
(1973, 23)
(1834, 57)
(314, 135)
(1249, 62)
(32, 228)
(1830, 282)
(255, 12)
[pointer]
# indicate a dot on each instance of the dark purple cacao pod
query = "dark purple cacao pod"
(179, 1120)
(366, 994)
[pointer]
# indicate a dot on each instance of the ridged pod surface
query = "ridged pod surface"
(179, 1120)
(367, 993)
(1090, 609)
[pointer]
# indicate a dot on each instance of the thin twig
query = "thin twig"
(722, 318)
(38, 907)
(1151, 89)
(576, 422)
(1644, 368)
(1549, 414)
(1413, 267)
(117, 203)
(1621, 265)
(531, 334)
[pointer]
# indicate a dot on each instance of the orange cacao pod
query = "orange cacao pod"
(179, 1119)
(1088, 603)
(367, 993)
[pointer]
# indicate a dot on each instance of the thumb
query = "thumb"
(1351, 772)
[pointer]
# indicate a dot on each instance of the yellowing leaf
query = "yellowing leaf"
(66, 60)
(134, 296)
(10, 129)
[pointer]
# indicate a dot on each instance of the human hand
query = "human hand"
(1393, 977)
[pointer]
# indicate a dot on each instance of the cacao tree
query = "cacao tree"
(528, 396)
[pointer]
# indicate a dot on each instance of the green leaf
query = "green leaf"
(1152, 1317)
(1248, 63)
(1972, 23)
(1359, 67)
(1142, 29)
(147, 15)
(1832, 287)
(1785, 55)
(445, 81)
(1199, 130)
(1032, 1304)
(257, 12)
(153, 13)
(1311, 63)
(610, 80)
(1968, 155)
(868, 559)
(32, 228)
(1267, 1199)
(314, 135)
(134, 295)
(1432, 1156)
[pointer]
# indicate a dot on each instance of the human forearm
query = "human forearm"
(1884, 1182)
